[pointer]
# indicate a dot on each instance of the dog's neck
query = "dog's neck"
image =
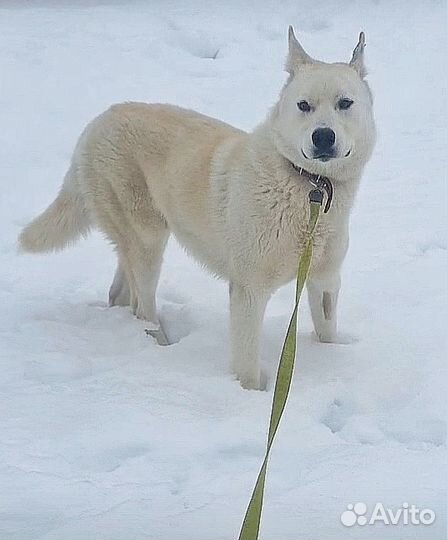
(314, 179)
(319, 181)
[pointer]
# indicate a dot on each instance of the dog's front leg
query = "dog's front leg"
(247, 307)
(323, 296)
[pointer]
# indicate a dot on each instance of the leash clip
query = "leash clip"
(322, 182)
(316, 196)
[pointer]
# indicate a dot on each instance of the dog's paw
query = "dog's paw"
(157, 332)
(252, 381)
(340, 338)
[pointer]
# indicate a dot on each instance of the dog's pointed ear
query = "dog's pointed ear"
(357, 60)
(297, 55)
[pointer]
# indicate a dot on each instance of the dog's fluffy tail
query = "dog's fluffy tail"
(62, 223)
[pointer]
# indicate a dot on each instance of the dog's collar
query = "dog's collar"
(318, 181)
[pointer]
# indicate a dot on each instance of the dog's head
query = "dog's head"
(323, 121)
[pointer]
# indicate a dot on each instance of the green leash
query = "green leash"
(250, 526)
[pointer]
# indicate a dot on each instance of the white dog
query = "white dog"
(238, 202)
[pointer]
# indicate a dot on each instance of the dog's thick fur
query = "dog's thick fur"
(232, 199)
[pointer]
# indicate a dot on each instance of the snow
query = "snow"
(106, 435)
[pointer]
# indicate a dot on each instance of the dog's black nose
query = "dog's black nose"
(323, 139)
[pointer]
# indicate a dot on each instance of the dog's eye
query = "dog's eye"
(304, 106)
(344, 103)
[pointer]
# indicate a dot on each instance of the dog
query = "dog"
(236, 201)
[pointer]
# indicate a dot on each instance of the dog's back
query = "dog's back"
(134, 159)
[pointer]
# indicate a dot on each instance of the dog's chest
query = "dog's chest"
(281, 236)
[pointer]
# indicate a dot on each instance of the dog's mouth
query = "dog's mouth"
(325, 156)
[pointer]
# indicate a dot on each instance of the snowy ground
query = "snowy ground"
(105, 435)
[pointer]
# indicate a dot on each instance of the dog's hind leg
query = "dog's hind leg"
(139, 233)
(140, 254)
(145, 257)
(119, 293)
